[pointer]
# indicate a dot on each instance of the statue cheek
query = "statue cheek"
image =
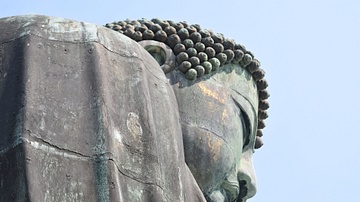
(208, 156)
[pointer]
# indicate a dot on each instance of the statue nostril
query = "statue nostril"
(243, 190)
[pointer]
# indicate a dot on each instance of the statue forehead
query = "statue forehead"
(240, 84)
(234, 81)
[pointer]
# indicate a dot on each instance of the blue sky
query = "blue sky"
(310, 51)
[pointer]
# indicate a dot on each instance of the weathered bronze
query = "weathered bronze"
(199, 51)
(87, 114)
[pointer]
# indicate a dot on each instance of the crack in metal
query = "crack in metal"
(49, 144)
(132, 177)
(95, 157)
(203, 128)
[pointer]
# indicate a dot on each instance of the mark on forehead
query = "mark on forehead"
(219, 96)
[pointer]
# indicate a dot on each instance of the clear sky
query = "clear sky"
(310, 51)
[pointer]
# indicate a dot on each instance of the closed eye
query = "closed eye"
(245, 120)
(246, 127)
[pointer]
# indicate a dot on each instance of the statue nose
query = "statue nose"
(246, 177)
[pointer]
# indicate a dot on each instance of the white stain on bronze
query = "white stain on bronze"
(117, 135)
(133, 124)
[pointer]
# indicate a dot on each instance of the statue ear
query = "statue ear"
(162, 53)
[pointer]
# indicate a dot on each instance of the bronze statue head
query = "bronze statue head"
(222, 100)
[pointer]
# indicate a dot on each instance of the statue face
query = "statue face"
(218, 118)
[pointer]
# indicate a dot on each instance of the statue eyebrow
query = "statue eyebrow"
(238, 93)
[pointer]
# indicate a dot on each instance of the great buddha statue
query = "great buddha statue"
(153, 111)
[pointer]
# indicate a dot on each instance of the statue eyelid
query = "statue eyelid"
(247, 122)
(246, 128)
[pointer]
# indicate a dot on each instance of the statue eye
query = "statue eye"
(246, 127)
